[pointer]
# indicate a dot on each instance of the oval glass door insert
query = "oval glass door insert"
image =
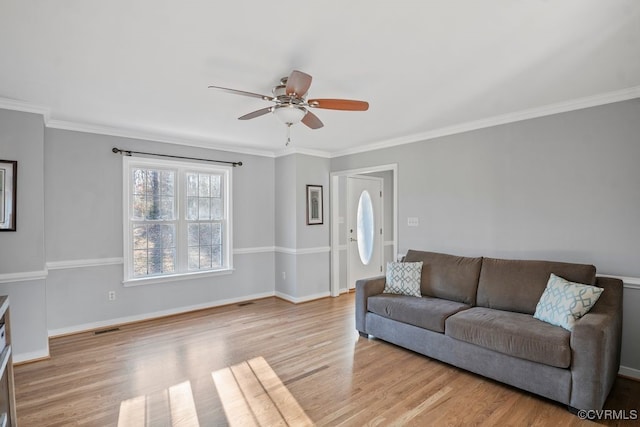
(365, 231)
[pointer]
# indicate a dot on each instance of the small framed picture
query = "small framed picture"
(314, 205)
(8, 181)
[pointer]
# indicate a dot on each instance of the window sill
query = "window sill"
(175, 277)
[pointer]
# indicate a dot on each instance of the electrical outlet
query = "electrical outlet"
(112, 295)
(413, 221)
(284, 275)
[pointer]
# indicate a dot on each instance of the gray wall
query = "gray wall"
(313, 273)
(563, 187)
(302, 253)
(83, 198)
(22, 254)
(22, 139)
(286, 201)
(311, 171)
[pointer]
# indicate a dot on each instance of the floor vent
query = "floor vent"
(105, 331)
(242, 304)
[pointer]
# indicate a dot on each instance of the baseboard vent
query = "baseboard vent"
(105, 331)
(242, 304)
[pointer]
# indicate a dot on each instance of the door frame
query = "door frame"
(334, 209)
(349, 216)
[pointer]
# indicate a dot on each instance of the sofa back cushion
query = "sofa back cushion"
(447, 276)
(516, 285)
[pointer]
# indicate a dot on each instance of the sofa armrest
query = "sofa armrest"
(595, 348)
(364, 289)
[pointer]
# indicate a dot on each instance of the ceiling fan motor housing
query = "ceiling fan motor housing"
(280, 93)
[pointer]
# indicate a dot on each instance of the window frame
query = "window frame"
(181, 169)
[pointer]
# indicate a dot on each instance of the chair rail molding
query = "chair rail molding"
(24, 276)
(303, 251)
(81, 263)
(628, 282)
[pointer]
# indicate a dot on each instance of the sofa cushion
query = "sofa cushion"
(564, 302)
(425, 312)
(447, 276)
(516, 285)
(515, 334)
(403, 278)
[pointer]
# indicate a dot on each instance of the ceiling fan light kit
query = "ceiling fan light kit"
(289, 114)
(291, 105)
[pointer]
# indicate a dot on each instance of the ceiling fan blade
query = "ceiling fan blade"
(244, 93)
(339, 104)
(298, 83)
(256, 113)
(312, 121)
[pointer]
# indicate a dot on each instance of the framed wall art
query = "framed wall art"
(315, 212)
(8, 182)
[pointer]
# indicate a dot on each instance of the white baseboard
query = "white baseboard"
(147, 316)
(629, 372)
(31, 355)
(306, 298)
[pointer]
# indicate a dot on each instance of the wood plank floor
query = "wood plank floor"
(268, 363)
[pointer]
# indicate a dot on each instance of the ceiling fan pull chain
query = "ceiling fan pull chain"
(288, 134)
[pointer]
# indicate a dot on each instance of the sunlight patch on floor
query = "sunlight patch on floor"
(133, 412)
(253, 395)
(183, 408)
(176, 403)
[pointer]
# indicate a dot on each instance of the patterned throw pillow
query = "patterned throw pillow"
(403, 278)
(564, 302)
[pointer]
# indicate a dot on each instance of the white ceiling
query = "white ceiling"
(426, 67)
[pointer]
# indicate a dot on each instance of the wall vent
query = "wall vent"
(105, 331)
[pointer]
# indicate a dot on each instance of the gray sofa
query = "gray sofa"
(477, 314)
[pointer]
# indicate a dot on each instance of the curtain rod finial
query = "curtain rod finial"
(119, 151)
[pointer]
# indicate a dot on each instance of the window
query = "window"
(177, 219)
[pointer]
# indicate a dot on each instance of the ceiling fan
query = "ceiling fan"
(290, 104)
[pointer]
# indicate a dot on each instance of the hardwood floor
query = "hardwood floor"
(268, 363)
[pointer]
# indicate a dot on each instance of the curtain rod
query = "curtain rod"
(129, 153)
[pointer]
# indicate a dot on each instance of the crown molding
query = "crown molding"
(25, 107)
(151, 136)
(532, 113)
(305, 151)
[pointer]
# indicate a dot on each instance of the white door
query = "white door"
(364, 228)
